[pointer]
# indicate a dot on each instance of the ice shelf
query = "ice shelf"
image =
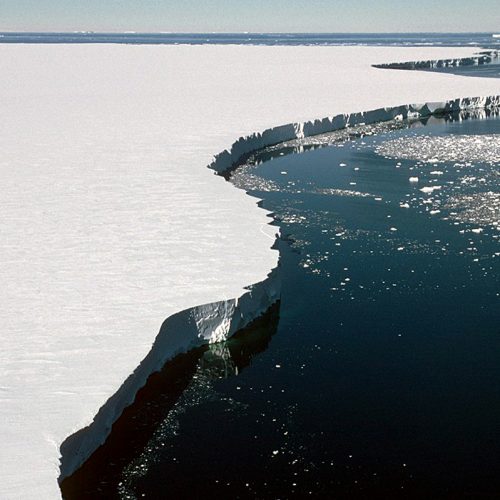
(111, 223)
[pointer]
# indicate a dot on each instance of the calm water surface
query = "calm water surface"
(382, 378)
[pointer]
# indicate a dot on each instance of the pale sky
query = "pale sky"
(255, 16)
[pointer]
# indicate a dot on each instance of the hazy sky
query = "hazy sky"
(257, 15)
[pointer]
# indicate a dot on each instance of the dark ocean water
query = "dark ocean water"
(398, 39)
(378, 376)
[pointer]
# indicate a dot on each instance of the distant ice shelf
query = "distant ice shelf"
(482, 58)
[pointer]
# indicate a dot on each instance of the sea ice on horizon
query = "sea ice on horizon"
(111, 222)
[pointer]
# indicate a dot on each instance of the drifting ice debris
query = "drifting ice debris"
(461, 149)
(430, 189)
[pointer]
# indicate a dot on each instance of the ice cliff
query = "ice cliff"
(207, 323)
(228, 158)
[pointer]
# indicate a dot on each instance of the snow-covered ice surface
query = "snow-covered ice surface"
(111, 222)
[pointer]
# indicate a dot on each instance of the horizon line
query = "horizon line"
(131, 32)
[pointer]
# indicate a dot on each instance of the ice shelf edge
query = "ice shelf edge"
(226, 160)
(192, 327)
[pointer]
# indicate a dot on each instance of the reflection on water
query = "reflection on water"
(140, 434)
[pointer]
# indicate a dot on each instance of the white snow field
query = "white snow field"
(111, 222)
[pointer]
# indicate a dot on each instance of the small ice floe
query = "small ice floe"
(434, 212)
(284, 172)
(404, 205)
(413, 179)
(356, 168)
(437, 172)
(342, 165)
(393, 229)
(378, 198)
(430, 189)
(477, 230)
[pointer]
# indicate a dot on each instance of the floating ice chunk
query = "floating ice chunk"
(404, 205)
(430, 189)
(284, 172)
(437, 172)
(342, 165)
(477, 230)
(434, 212)
(413, 179)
